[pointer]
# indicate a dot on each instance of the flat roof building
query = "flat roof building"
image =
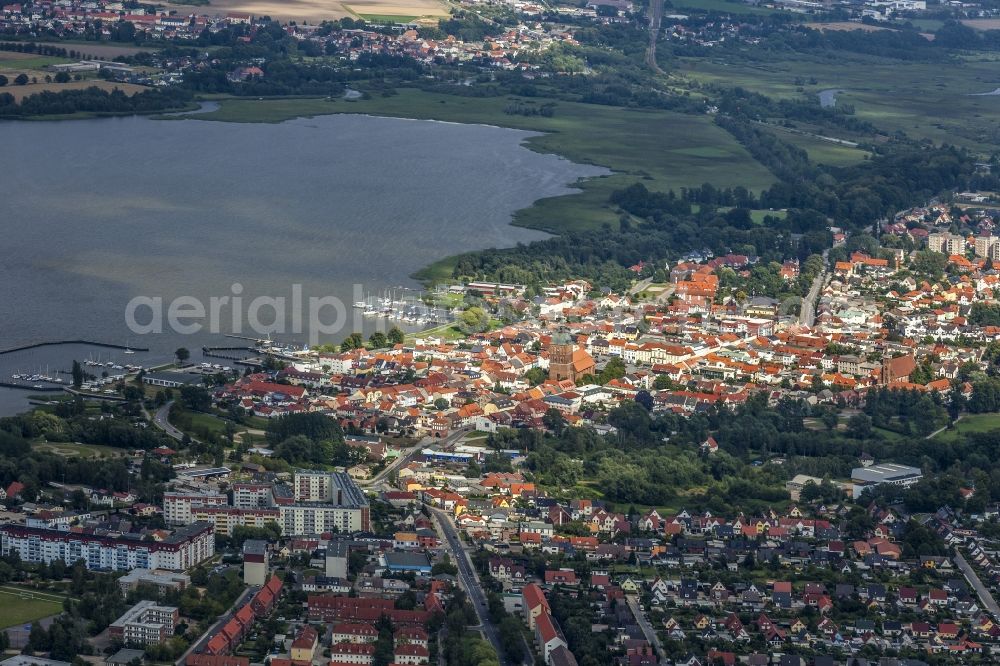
(876, 475)
(146, 623)
(162, 580)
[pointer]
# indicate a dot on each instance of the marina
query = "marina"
(409, 308)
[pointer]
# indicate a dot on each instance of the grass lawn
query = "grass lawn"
(720, 6)
(200, 421)
(890, 435)
(22, 64)
(927, 25)
(440, 271)
(821, 151)
(969, 424)
(665, 150)
(70, 449)
(924, 100)
(18, 606)
(388, 18)
(446, 332)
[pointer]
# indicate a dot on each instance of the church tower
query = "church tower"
(561, 357)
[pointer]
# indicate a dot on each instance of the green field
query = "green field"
(208, 422)
(388, 18)
(70, 449)
(970, 424)
(822, 151)
(18, 606)
(735, 7)
(924, 100)
(666, 150)
(26, 64)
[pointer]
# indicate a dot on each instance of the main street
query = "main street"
(200, 644)
(469, 580)
(984, 593)
(162, 421)
(647, 628)
(807, 310)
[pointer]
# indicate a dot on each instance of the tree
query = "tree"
(314, 426)
(3, 80)
(351, 342)
(445, 566)
(196, 398)
(554, 420)
(77, 374)
(473, 320)
(182, 354)
(441, 404)
(860, 426)
(830, 418)
(929, 263)
(535, 376)
(396, 336)
(62, 77)
(377, 340)
(21, 79)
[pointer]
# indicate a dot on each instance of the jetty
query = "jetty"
(56, 343)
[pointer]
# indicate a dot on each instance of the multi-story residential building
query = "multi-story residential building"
(947, 243)
(312, 486)
(146, 623)
(325, 501)
(225, 518)
(185, 548)
(316, 519)
(177, 506)
(988, 247)
(252, 495)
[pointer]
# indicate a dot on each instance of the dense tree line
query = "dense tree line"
(93, 100)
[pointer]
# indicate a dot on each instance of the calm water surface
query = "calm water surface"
(97, 212)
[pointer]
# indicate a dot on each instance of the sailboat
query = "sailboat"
(127, 349)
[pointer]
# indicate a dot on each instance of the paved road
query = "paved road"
(985, 596)
(647, 628)
(655, 16)
(199, 645)
(469, 580)
(943, 428)
(379, 481)
(161, 421)
(807, 311)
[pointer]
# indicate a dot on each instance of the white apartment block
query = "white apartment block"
(177, 506)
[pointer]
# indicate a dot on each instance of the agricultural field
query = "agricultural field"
(983, 24)
(845, 26)
(320, 10)
(20, 92)
(19, 605)
(735, 7)
(926, 101)
(666, 150)
(25, 62)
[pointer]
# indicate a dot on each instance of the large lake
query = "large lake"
(96, 212)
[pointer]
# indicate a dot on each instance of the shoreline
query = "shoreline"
(438, 271)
